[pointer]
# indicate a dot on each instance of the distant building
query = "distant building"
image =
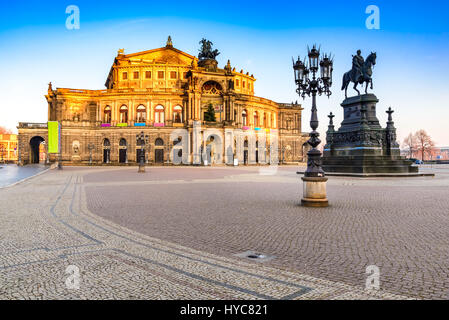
(8, 148)
(440, 153)
(445, 153)
(157, 92)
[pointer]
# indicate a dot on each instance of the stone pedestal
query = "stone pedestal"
(76, 159)
(352, 111)
(361, 145)
(209, 64)
(314, 192)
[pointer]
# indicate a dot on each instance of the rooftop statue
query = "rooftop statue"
(206, 50)
(169, 42)
(360, 73)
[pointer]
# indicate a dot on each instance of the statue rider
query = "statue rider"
(357, 66)
(206, 50)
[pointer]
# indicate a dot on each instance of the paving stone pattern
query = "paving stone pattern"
(173, 233)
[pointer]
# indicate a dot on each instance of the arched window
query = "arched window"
(159, 116)
(122, 142)
(107, 114)
(177, 114)
(212, 87)
(159, 142)
(123, 114)
(106, 151)
(141, 114)
(264, 123)
(256, 118)
(244, 118)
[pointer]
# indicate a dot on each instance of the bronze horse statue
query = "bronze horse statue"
(363, 76)
(206, 51)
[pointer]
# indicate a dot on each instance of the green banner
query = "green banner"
(53, 137)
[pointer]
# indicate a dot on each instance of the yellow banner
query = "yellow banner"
(53, 137)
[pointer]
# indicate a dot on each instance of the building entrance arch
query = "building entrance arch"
(123, 151)
(106, 151)
(37, 150)
(159, 151)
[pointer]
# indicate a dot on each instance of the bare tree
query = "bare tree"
(3, 130)
(410, 144)
(424, 143)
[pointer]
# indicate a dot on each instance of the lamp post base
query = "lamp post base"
(314, 192)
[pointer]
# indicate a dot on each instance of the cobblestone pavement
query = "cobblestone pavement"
(174, 233)
(12, 173)
(399, 224)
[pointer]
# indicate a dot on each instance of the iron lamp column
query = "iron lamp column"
(283, 154)
(142, 141)
(310, 83)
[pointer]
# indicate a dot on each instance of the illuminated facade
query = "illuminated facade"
(158, 91)
(8, 148)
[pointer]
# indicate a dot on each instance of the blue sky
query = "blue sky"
(412, 45)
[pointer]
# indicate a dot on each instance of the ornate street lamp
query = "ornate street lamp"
(310, 84)
(142, 141)
(283, 154)
(60, 154)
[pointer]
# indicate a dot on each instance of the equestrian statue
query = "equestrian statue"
(206, 51)
(361, 72)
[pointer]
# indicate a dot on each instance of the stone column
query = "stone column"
(196, 142)
(169, 116)
(184, 111)
(151, 112)
(98, 118)
(114, 113)
(190, 107)
(148, 106)
(131, 112)
(197, 107)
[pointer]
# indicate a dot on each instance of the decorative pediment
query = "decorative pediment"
(166, 55)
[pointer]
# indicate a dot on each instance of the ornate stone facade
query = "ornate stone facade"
(157, 92)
